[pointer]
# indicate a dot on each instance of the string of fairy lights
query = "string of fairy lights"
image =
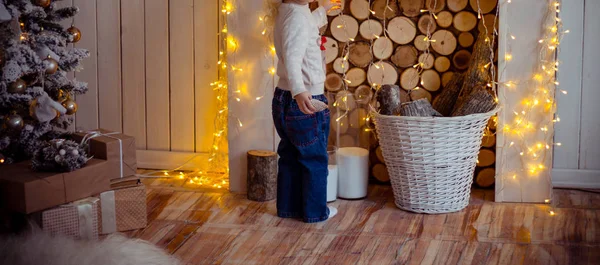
(531, 130)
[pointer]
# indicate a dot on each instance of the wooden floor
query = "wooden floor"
(205, 226)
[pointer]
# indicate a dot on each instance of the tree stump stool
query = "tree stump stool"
(262, 175)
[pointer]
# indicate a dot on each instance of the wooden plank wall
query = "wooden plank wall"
(150, 66)
(576, 160)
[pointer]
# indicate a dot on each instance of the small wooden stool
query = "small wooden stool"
(262, 175)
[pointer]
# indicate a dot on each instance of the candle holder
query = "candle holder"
(351, 134)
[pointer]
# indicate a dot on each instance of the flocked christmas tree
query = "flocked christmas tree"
(36, 96)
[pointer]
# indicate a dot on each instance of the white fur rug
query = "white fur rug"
(37, 248)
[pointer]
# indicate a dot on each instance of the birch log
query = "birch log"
(409, 78)
(383, 48)
(344, 28)
(419, 108)
(389, 98)
(382, 73)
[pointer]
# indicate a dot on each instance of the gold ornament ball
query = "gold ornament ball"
(75, 33)
(14, 122)
(51, 66)
(17, 87)
(43, 3)
(71, 106)
(62, 96)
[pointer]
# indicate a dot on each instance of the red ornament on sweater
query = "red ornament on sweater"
(323, 41)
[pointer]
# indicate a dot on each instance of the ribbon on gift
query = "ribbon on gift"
(109, 213)
(85, 212)
(89, 135)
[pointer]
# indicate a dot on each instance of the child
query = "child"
(302, 178)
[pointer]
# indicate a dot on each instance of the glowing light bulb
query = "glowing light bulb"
(552, 213)
(564, 92)
(508, 57)
(512, 37)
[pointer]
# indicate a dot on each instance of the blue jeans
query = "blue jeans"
(302, 176)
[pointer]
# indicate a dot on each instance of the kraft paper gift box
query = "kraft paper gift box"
(26, 191)
(123, 209)
(117, 148)
(79, 219)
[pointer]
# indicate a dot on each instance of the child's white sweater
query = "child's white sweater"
(297, 44)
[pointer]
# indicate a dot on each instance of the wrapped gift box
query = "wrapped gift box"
(26, 191)
(116, 148)
(123, 209)
(78, 219)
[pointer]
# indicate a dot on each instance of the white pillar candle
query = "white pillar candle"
(353, 172)
(332, 182)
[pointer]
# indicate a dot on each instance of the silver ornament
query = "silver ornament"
(57, 158)
(62, 152)
(75, 152)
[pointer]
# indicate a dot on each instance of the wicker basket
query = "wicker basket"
(431, 160)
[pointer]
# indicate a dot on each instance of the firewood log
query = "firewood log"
(430, 80)
(444, 19)
(444, 103)
(379, 154)
(464, 21)
(435, 5)
(486, 158)
(490, 23)
(331, 50)
(461, 59)
(355, 77)
(457, 5)
(420, 43)
(336, 12)
(466, 39)
(360, 54)
(481, 101)
(340, 65)
(383, 48)
(419, 108)
(477, 76)
(339, 122)
(363, 94)
(489, 140)
(384, 9)
(486, 177)
(405, 56)
(446, 77)
(382, 73)
(357, 118)
(445, 42)
(411, 8)
(420, 93)
(401, 30)
(345, 100)
(389, 100)
(380, 173)
(441, 64)
(344, 28)
(360, 9)
(427, 24)
(333, 82)
(262, 175)
(370, 29)
(426, 60)
(409, 79)
(486, 6)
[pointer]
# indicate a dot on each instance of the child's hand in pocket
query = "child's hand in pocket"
(304, 103)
